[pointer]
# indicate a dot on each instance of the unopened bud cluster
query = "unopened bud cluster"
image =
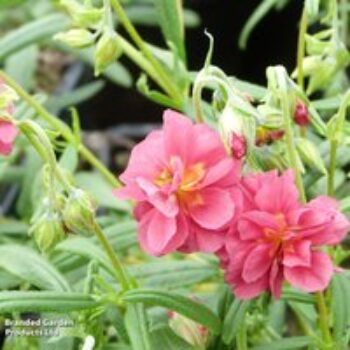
(91, 26)
(56, 218)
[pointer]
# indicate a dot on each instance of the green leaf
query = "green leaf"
(21, 66)
(18, 301)
(165, 338)
(72, 98)
(116, 72)
(258, 14)
(233, 320)
(85, 248)
(173, 274)
(137, 327)
(312, 7)
(340, 306)
(291, 294)
(292, 343)
(31, 33)
(176, 302)
(171, 20)
(147, 16)
(330, 103)
(101, 190)
(29, 266)
(69, 159)
(256, 91)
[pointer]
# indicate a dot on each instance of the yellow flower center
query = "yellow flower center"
(186, 192)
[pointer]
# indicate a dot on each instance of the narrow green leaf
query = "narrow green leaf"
(165, 338)
(101, 190)
(258, 14)
(22, 65)
(31, 33)
(176, 302)
(72, 98)
(147, 16)
(292, 343)
(170, 14)
(29, 266)
(340, 306)
(18, 301)
(233, 320)
(137, 327)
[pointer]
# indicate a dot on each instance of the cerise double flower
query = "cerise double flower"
(183, 183)
(277, 238)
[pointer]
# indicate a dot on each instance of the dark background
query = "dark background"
(273, 42)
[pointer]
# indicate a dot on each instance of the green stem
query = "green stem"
(241, 339)
(344, 20)
(62, 128)
(118, 267)
(301, 47)
(323, 318)
(332, 167)
(291, 147)
(164, 80)
(137, 57)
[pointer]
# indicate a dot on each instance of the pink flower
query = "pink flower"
(183, 183)
(277, 238)
(8, 133)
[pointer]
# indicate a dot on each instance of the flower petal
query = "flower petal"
(215, 210)
(298, 254)
(257, 263)
(314, 278)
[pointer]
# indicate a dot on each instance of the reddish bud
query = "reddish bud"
(301, 114)
(265, 136)
(238, 146)
(276, 134)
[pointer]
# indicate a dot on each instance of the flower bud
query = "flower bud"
(192, 332)
(77, 38)
(79, 213)
(301, 114)
(265, 136)
(231, 131)
(238, 146)
(48, 231)
(107, 51)
(82, 15)
(310, 155)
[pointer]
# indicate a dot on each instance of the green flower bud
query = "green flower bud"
(77, 38)
(310, 155)
(194, 333)
(48, 231)
(230, 123)
(107, 51)
(82, 15)
(79, 213)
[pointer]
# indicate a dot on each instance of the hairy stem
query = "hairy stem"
(241, 339)
(291, 147)
(323, 318)
(163, 79)
(118, 267)
(301, 47)
(332, 167)
(62, 128)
